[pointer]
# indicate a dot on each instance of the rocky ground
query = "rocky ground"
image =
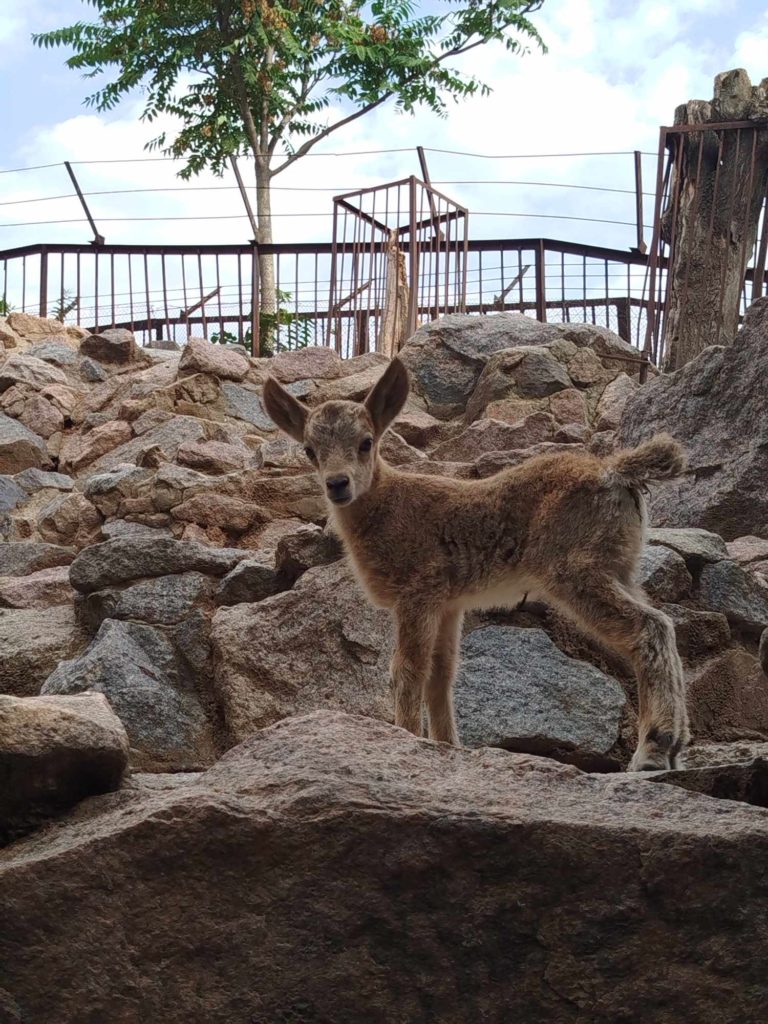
(168, 589)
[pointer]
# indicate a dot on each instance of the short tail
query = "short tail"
(661, 458)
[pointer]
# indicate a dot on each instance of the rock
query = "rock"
(11, 494)
(420, 429)
(80, 450)
(745, 550)
(20, 448)
(113, 346)
(747, 783)
(53, 351)
(168, 436)
(33, 480)
(602, 443)
(269, 537)
(306, 548)
(165, 600)
(585, 368)
(19, 558)
(698, 547)
(728, 698)
(526, 373)
(566, 891)
(32, 642)
(121, 528)
(516, 690)
(91, 372)
(495, 461)
(69, 519)
(233, 515)
(568, 407)
(397, 452)
(9, 339)
(763, 652)
(725, 587)
(200, 356)
(214, 456)
(708, 755)
(54, 752)
(571, 433)
(135, 667)
(494, 436)
(311, 363)
(25, 369)
(108, 491)
(37, 328)
(698, 634)
(42, 589)
(717, 407)
(133, 558)
(281, 453)
(284, 496)
(251, 580)
(244, 404)
(319, 645)
(661, 572)
(42, 417)
(447, 356)
(613, 400)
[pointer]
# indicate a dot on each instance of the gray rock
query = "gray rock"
(33, 480)
(19, 558)
(115, 345)
(745, 782)
(133, 558)
(516, 690)
(253, 579)
(53, 753)
(763, 651)
(167, 436)
(531, 372)
(698, 547)
(725, 587)
(11, 494)
(243, 404)
(306, 548)
(164, 600)
(709, 755)
(661, 572)
(91, 372)
(32, 643)
(53, 351)
(120, 528)
(135, 667)
(20, 448)
(717, 407)
(697, 633)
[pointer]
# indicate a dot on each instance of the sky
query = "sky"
(614, 72)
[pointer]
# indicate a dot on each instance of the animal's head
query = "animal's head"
(341, 439)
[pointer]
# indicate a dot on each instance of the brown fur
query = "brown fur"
(567, 528)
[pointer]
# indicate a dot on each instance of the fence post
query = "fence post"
(541, 283)
(44, 282)
(413, 253)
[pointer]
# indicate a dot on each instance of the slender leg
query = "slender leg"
(626, 622)
(416, 634)
(438, 692)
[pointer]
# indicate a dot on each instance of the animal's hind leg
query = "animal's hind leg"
(438, 691)
(621, 618)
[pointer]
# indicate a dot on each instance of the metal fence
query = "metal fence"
(169, 292)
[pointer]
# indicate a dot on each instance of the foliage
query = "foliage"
(251, 74)
(283, 330)
(5, 307)
(65, 305)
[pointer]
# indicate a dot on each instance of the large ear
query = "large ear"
(387, 396)
(285, 410)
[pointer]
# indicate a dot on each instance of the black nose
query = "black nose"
(337, 484)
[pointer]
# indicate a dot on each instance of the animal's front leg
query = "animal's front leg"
(416, 629)
(439, 688)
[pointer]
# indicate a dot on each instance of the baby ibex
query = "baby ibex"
(568, 528)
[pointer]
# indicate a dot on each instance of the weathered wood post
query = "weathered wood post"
(719, 179)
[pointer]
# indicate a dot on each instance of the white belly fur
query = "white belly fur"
(507, 594)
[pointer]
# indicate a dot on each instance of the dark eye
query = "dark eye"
(366, 445)
(310, 453)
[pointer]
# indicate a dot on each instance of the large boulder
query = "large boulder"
(20, 447)
(516, 690)
(136, 667)
(717, 407)
(32, 643)
(319, 645)
(112, 346)
(54, 751)
(200, 356)
(725, 587)
(306, 875)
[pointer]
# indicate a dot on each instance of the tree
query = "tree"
(254, 75)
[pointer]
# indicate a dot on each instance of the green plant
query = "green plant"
(5, 307)
(64, 306)
(282, 331)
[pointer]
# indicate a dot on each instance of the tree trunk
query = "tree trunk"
(268, 301)
(711, 220)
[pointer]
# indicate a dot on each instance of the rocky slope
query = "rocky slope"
(163, 548)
